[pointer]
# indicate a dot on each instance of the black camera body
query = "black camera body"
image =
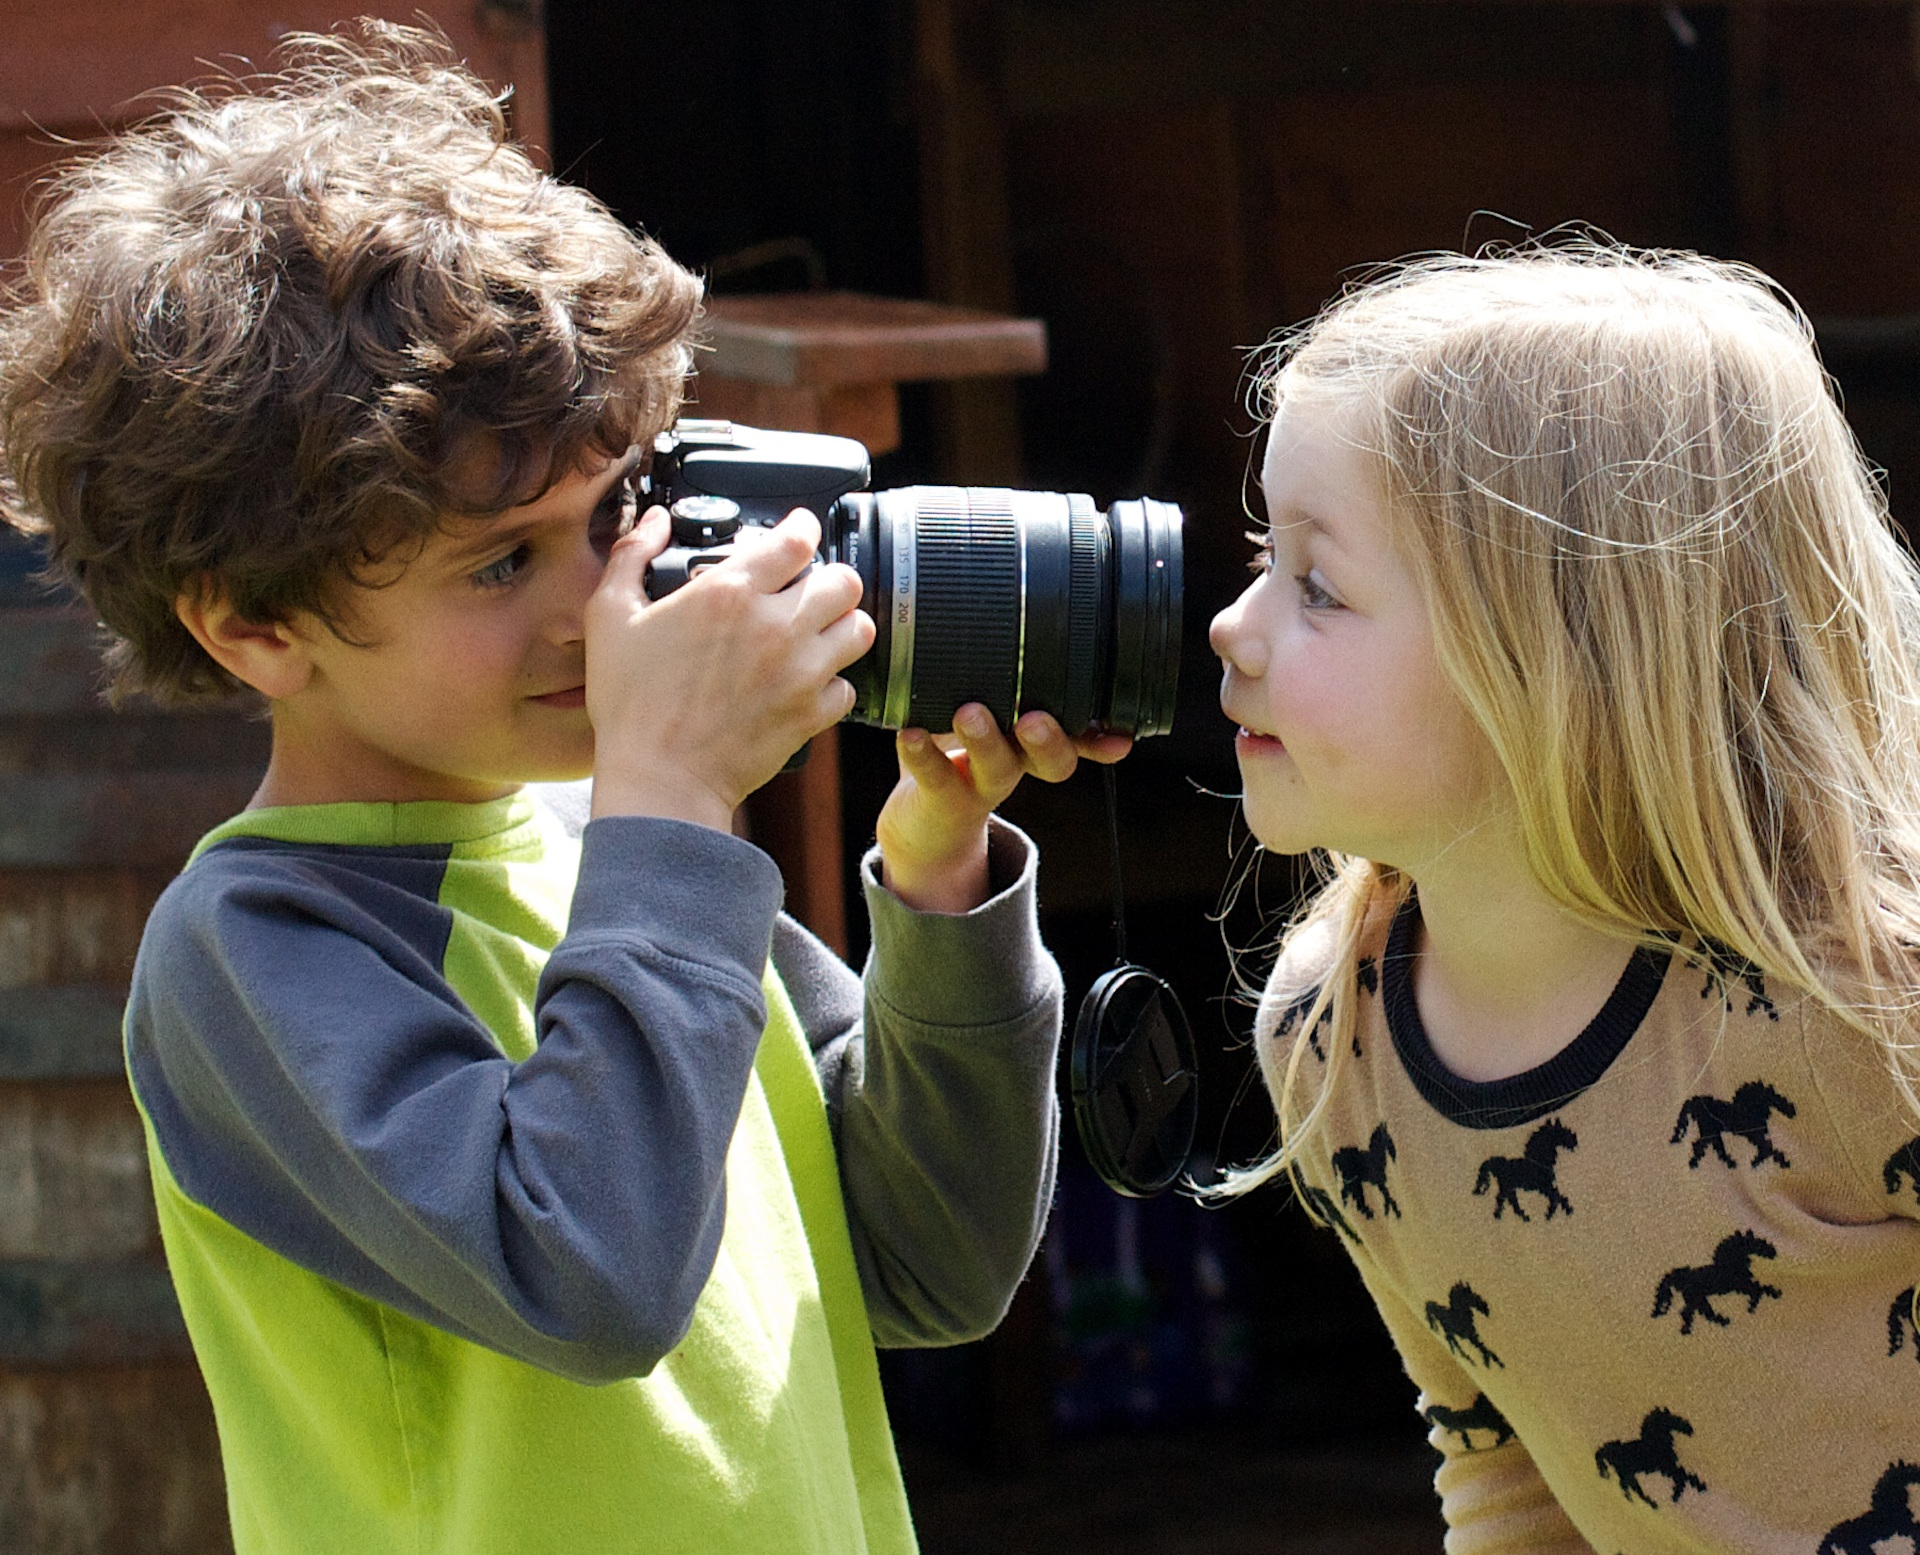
(714, 478)
(1017, 599)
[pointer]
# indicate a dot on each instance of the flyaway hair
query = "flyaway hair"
(1664, 583)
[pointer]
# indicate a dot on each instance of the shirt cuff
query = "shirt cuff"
(973, 968)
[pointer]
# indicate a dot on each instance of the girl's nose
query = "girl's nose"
(1237, 646)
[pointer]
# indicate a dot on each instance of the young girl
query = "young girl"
(1580, 640)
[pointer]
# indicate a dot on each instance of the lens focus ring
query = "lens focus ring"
(967, 617)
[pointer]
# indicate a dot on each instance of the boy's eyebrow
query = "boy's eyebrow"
(487, 534)
(494, 531)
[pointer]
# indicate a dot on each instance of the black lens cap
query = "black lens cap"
(1136, 1100)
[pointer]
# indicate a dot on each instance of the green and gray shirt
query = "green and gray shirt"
(530, 1193)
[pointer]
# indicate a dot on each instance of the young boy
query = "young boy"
(521, 1192)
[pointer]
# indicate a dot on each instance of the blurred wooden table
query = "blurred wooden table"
(833, 362)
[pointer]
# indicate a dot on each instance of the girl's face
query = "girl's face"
(1350, 736)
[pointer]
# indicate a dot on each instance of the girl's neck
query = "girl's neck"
(1506, 976)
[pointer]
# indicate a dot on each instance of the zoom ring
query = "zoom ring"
(1084, 604)
(967, 631)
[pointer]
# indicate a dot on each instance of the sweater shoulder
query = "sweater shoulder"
(1308, 955)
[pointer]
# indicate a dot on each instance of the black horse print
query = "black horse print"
(1652, 1452)
(1745, 1116)
(1901, 1323)
(1366, 978)
(1359, 1170)
(1320, 1205)
(1904, 1162)
(1296, 1012)
(1529, 1172)
(1729, 1274)
(1456, 1322)
(1889, 1515)
(1724, 969)
(1480, 1415)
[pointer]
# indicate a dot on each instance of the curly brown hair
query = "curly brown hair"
(258, 338)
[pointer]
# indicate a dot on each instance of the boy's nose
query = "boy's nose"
(568, 622)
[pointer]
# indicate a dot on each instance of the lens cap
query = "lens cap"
(1136, 1103)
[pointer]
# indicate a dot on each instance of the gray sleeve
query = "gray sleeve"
(313, 1080)
(940, 1087)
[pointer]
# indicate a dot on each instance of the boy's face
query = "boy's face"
(465, 675)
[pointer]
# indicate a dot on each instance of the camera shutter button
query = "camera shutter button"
(704, 520)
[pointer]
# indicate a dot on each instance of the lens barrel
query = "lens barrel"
(1021, 600)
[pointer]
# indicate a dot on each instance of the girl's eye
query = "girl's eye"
(1262, 562)
(499, 574)
(1312, 595)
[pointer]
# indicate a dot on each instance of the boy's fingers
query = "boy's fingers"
(774, 557)
(634, 551)
(846, 637)
(827, 594)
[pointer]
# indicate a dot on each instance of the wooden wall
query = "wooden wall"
(107, 1441)
(71, 68)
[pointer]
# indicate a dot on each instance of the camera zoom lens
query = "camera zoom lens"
(1021, 600)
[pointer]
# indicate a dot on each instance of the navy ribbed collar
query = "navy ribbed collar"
(1534, 1093)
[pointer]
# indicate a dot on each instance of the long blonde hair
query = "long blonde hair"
(1664, 583)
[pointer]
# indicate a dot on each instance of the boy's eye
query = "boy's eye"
(502, 572)
(1262, 562)
(614, 515)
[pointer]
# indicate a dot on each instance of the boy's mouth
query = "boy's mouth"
(572, 696)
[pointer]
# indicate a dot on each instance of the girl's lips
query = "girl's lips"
(573, 696)
(1247, 742)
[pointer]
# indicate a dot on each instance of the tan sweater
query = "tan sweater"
(1658, 1294)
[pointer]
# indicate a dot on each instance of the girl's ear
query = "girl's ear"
(270, 656)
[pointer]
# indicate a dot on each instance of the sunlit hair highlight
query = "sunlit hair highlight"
(296, 321)
(1664, 583)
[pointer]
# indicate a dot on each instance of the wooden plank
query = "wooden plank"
(66, 926)
(71, 71)
(95, 820)
(65, 1032)
(960, 119)
(78, 64)
(110, 1460)
(56, 1312)
(49, 661)
(73, 1173)
(813, 339)
(869, 412)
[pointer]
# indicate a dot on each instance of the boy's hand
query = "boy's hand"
(933, 827)
(698, 699)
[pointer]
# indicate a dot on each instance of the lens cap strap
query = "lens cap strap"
(1133, 1074)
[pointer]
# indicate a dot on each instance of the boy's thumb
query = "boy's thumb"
(635, 550)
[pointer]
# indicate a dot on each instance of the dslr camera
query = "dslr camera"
(1021, 600)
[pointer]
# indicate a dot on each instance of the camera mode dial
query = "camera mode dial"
(702, 520)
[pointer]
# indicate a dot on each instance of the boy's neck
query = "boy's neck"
(297, 774)
(1506, 977)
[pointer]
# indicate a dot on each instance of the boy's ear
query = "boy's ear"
(269, 656)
